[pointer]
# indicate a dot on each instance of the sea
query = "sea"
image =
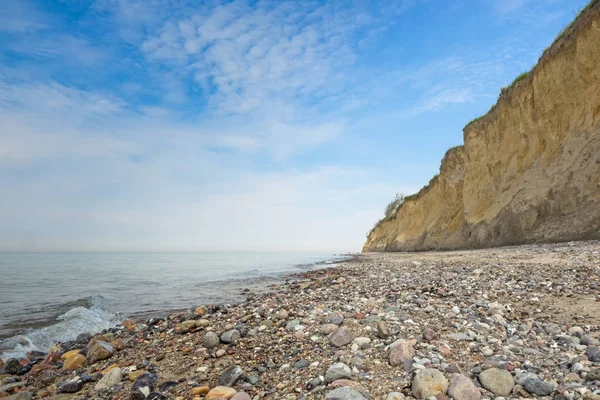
(50, 298)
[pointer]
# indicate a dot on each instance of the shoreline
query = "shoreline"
(370, 327)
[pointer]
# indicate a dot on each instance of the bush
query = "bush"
(394, 205)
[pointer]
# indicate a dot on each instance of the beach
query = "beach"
(512, 322)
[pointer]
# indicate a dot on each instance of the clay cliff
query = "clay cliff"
(529, 170)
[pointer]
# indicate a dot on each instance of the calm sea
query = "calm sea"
(46, 298)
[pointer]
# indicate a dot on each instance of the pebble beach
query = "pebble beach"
(507, 323)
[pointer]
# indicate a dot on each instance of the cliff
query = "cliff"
(529, 170)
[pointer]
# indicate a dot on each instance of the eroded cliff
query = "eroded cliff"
(529, 170)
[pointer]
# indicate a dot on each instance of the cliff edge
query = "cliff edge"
(529, 170)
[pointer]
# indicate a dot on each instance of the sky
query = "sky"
(277, 125)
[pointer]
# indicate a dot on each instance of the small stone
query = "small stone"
(344, 393)
(462, 388)
(337, 320)
(210, 340)
(220, 353)
(75, 361)
(383, 330)
(538, 387)
(593, 375)
(395, 396)
(143, 386)
(187, 326)
(292, 325)
(340, 337)
(429, 334)
(156, 396)
(497, 381)
(327, 329)
(12, 366)
(20, 396)
(301, 364)
(112, 378)
(72, 386)
(400, 352)
(133, 375)
(241, 396)
(231, 376)
(429, 383)
(221, 392)
(231, 336)
(200, 390)
(98, 350)
(338, 371)
(283, 314)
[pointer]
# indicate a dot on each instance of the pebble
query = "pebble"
(231, 376)
(538, 387)
(210, 340)
(341, 337)
(338, 371)
(463, 388)
(383, 330)
(231, 336)
(395, 396)
(221, 392)
(98, 351)
(429, 383)
(112, 378)
(400, 352)
(344, 393)
(497, 381)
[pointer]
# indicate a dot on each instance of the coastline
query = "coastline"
(369, 327)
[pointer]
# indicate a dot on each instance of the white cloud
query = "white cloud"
(20, 17)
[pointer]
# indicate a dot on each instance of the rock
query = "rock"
(340, 337)
(98, 350)
(156, 396)
(283, 314)
(400, 352)
(327, 329)
(12, 366)
(10, 386)
(68, 354)
(383, 330)
(210, 340)
(338, 371)
(538, 387)
(231, 376)
(221, 392)
(497, 381)
(593, 375)
(112, 378)
(143, 386)
(301, 364)
(336, 320)
(187, 326)
(72, 386)
(73, 362)
(200, 390)
(429, 383)
(19, 396)
(344, 393)
(395, 396)
(429, 334)
(589, 340)
(292, 325)
(241, 396)
(231, 336)
(462, 388)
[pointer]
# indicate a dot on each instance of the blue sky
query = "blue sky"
(169, 125)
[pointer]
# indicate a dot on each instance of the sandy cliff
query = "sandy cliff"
(529, 170)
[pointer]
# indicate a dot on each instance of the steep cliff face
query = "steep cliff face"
(529, 170)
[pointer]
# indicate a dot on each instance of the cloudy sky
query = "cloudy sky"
(171, 125)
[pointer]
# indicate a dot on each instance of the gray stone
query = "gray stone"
(400, 352)
(429, 383)
(292, 325)
(231, 376)
(11, 367)
(231, 336)
(395, 396)
(241, 396)
(336, 320)
(210, 340)
(112, 378)
(338, 371)
(593, 375)
(538, 387)
(383, 330)
(344, 393)
(340, 337)
(589, 341)
(498, 381)
(98, 351)
(462, 388)
(20, 396)
(300, 364)
(187, 326)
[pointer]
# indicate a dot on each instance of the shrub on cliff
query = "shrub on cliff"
(394, 205)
